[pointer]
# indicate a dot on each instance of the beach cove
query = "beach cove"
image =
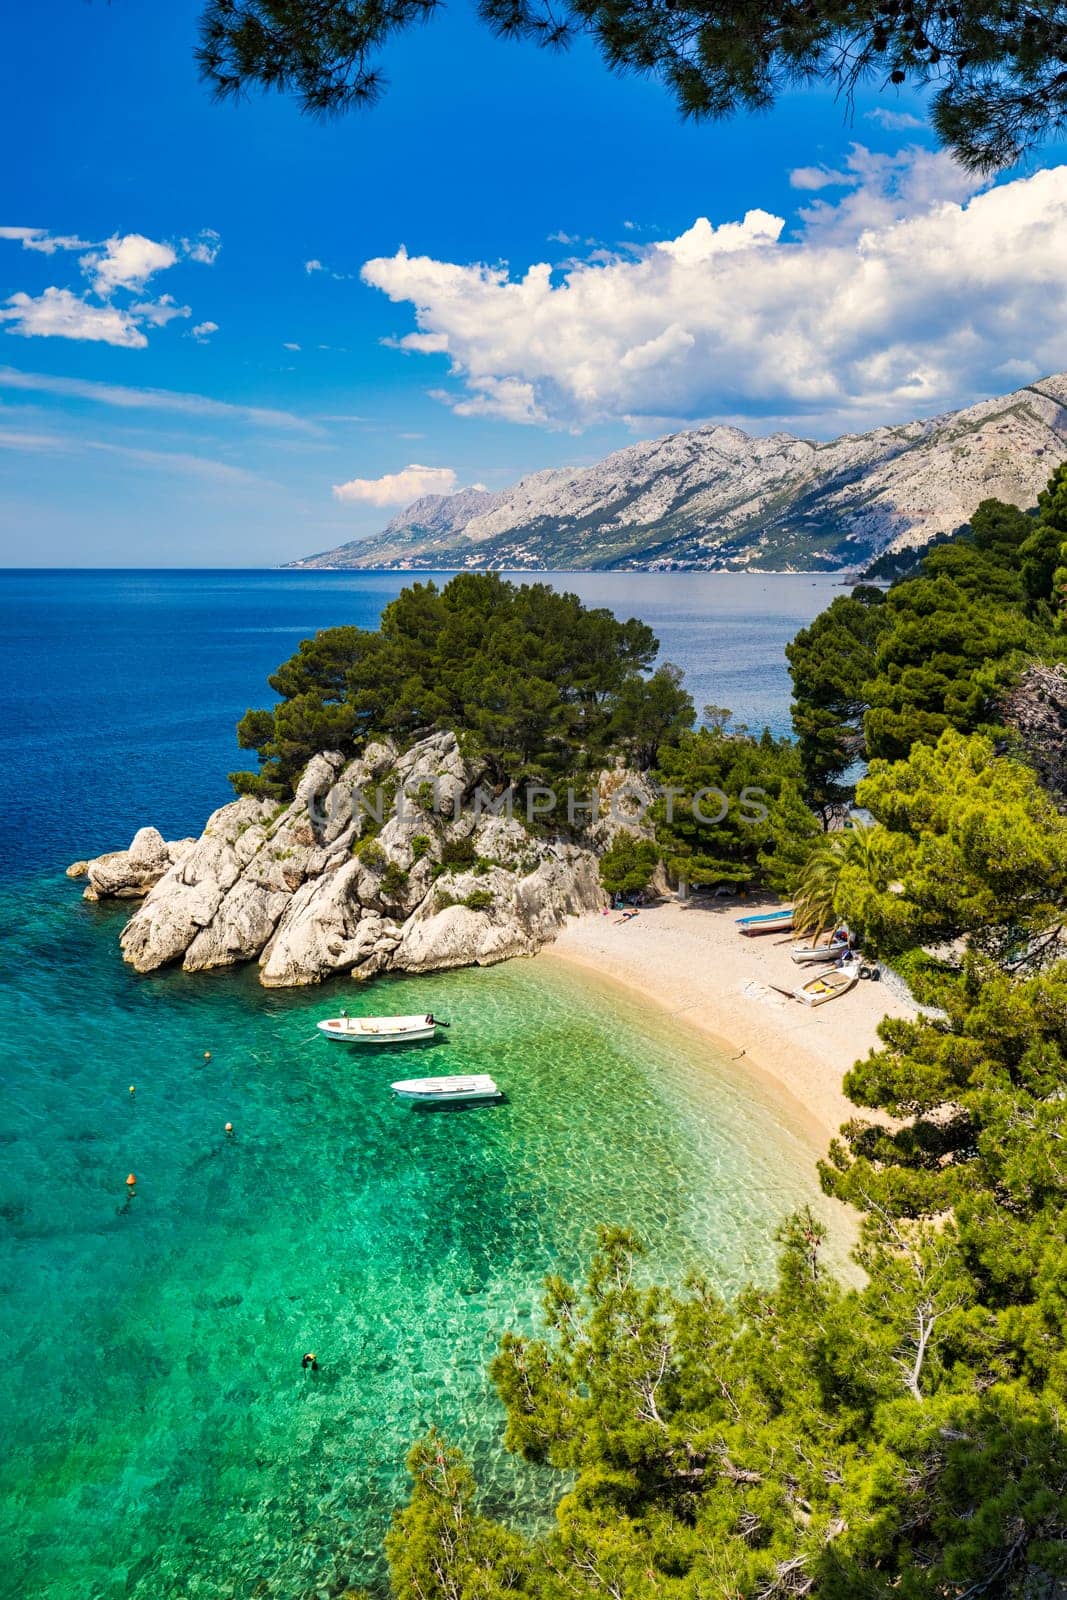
(688, 960)
(163, 1437)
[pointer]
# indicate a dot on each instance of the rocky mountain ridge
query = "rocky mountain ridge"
(716, 498)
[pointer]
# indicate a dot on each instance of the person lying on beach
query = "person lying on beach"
(627, 916)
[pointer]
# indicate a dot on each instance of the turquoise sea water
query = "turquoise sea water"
(161, 1438)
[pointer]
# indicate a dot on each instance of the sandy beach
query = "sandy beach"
(691, 960)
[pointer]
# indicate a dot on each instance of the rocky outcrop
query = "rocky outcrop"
(391, 862)
(1036, 707)
(130, 874)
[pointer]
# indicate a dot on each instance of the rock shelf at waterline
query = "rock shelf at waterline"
(322, 886)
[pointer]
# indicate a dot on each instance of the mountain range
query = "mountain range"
(716, 498)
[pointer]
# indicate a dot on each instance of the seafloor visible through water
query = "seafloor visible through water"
(161, 1438)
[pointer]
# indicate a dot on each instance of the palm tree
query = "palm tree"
(813, 907)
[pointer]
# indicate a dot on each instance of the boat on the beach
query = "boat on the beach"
(810, 954)
(828, 985)
(380, 1030)
(780, 921)
(478, 1086)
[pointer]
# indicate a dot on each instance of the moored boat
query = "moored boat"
(477, 1086)
(828, 985)
(780, 921)
(810, 954)
(380, 1030)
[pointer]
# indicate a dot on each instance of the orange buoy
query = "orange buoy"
(131, 1179)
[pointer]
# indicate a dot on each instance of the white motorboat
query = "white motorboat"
(810, 954)
(478, 1086)
(766, 922)
(828, 985)
(380, 1030)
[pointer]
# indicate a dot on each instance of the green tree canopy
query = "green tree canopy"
(831, 663)
(628, 863)
(948, 646)
(808, 1440)
(535, 682)
(728, 814)
(996, 67)
(969, 846)
(1043, 552)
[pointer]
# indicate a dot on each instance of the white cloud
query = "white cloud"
(127, 262)
(819, 178)
(204, 248)
(202, 331)
(41, 240)
(160, 312)
(58, 314)
(907, 295)
(124, 263)
(126, 398)
(893, 121)
(315, 265)
(398, 488)
(290, 347)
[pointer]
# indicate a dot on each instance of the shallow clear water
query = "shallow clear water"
(160, 1437)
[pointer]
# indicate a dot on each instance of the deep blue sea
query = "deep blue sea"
(160, 1437)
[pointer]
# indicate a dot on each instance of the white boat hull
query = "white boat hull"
(766, 922)
(817, 991)
(810, 954)
(378, 1030)
(444, 1091)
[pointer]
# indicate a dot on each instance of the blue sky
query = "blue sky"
(871, 282)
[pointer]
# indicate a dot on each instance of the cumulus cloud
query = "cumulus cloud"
(58, 314)
(398, 488)
(127, 262)
(905, 296)
(120, 265)
(202, 331)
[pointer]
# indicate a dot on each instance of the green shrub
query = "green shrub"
(421, 845)
(458, 853)
(394, 880)
(369, 850)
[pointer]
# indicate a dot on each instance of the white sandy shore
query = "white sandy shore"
(691, 960)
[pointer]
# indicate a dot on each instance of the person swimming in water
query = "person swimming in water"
(310, 1360)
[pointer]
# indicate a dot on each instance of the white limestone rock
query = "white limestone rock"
(129, 874)
(327, 929)
(317, 888)
(187, 896)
